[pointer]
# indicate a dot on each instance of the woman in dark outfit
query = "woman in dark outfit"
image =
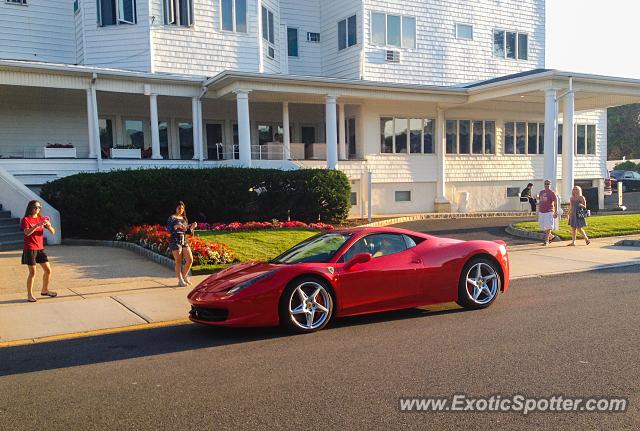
(178, 226)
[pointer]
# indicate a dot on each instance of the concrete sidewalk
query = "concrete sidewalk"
(105, 289)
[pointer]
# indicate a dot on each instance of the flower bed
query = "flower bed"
(262, 225)
(156, 238)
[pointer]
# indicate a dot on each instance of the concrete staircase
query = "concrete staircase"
(10, 235)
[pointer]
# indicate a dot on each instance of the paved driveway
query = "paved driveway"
(467, 229)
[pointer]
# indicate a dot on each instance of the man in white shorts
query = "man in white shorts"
(547, 211)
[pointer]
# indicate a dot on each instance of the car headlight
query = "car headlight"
(238, 287)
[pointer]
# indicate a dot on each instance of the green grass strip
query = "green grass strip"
(597, 226)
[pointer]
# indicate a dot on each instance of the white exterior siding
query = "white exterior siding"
(42, 30)
(305, 16)
(344, 63)
(440, 58)
(122, 46)
(204, 49)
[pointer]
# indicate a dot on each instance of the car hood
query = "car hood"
(236, 274)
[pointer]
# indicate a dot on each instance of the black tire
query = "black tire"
(291, 300)
(488, 289)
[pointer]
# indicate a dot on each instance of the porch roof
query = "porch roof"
(525, 89)
(592, 91)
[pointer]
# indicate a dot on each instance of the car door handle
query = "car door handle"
(416, 260)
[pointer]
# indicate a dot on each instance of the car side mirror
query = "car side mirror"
(358, 258)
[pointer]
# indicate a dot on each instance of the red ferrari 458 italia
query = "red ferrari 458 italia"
(352, 271)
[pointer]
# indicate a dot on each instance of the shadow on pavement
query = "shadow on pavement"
(158, 341)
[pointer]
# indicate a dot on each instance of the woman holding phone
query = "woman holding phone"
(33, 225)
(178, 226)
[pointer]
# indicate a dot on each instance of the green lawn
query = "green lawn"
(253, 245)
(597, 226)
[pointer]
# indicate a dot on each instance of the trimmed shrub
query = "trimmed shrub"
(98, 205)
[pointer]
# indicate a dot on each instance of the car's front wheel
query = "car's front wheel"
(306, 305)
(479, 284)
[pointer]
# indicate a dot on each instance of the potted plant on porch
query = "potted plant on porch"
(126, 152)
(59, 151)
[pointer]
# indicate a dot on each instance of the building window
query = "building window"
(76, 6)
(403, 196)
(178, 12)
(313, 37)
(185, 138)
(393, 30)
(134, 134)
(106, 136)
(510, 45)
(464, 31)
(470, 137)
(24, 2)
(347, 33)
(406, 135)
(354, 198)
(585, 139)
(268, 32)
(114, 12)
(292, 42)
(270, 133)
(513, 192)
(523, 138)
(234, 15)
(163, 129)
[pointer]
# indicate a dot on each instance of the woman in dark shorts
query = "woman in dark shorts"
(33, 225)
(178, 226)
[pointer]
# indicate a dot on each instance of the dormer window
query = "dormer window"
(114, 12)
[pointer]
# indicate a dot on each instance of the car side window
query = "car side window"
(409, 241)
(628, 175)
(378, 245)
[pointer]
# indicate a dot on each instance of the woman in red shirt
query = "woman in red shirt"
(33, 225)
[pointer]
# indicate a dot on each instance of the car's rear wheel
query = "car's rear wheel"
(306, 305)
(479, 284)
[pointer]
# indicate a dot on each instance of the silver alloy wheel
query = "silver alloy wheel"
(310, 305)
(481, 283)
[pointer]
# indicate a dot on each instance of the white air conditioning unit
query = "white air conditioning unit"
(392, 56)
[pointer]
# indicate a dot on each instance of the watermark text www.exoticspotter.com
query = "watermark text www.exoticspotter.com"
(516, 403)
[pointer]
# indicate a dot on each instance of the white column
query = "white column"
(342, 136)
(550, 134)
(331, 132)
(96, 124)
(244, 128)
(92, 144)
(441, 152)
(200, 131)
(195, 113)
(568, 157)
(155, 131)
(286, 137)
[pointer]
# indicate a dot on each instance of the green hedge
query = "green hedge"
(97, 205)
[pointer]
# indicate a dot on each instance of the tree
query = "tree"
(623, 132)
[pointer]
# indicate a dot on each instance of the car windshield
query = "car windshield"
(318, 248)
(616, 174)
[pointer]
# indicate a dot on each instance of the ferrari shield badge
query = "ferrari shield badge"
(331, 270)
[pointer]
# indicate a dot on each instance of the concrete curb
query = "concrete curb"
(628, 243)
(511, 230)
(429, 216)
(144, 252)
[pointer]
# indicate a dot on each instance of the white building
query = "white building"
(434, 97)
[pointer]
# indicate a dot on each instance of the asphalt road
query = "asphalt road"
(575, 335)
(490, 228)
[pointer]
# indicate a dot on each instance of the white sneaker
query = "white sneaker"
(182, 283)
(187, 280)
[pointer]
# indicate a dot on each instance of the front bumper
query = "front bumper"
(244, 311)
